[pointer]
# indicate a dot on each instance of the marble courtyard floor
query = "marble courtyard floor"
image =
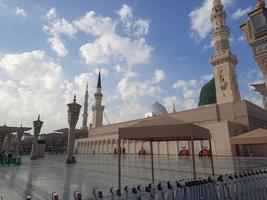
(40, 178)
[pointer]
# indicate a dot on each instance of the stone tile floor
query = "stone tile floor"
(41, 177)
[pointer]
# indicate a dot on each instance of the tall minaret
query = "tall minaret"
(85, 108)
(224, 61)
(98, 109)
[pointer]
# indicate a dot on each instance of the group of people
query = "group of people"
(204, 152)
(7, 159)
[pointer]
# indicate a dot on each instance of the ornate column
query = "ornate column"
(1, 142)
(20, 132)
(37, 125)
(7, 143)
(73, 116)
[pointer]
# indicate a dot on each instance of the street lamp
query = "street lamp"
(20, 132)
(37, 125)
(73, 116)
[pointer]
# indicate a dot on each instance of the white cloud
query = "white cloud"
(112, 47)
(179, 102)
(133, 27)
(2, 4)
(159, 76)
(207, 77)
(170, 101)
(189, 91)
(58, 46)
(83, 79)
(126, 111)
(240, 13)
(61, 26)
(95, 25)
(184, 84)
(36, 85)
(208, 46)
(189, 94)
(200, 19)
(20, 12)
(241, 38)
(189, 88)
(190, 104)
(51, 14)
(125, 13)
(131, 90)
(57, 27)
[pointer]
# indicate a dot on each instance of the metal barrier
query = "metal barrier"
(245, 185)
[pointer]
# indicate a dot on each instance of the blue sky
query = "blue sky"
(147, 51)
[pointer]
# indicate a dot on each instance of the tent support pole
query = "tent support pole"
(211, 159)
(119, 163)
(193, 158)
(250, 156)
(152, 161)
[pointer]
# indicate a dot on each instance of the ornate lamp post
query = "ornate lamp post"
(20, 132)
(73, 116)
(37, 125)
(7, 143)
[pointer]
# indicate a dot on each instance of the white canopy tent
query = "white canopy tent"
(162, 128)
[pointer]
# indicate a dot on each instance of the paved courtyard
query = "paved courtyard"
(40, 178)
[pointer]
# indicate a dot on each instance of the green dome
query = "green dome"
(208, 94)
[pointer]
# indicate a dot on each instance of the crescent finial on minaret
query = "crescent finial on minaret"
(39, 117)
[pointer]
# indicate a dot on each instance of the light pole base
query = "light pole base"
(70, 160)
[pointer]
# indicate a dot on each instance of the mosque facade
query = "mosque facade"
(220, 109)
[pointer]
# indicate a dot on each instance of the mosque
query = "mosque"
(220, 109)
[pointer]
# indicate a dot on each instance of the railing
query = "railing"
(245, 185)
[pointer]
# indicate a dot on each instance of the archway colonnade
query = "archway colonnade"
(109, 146)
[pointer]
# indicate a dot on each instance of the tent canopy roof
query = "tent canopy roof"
(163, 128)
(8, 129)
(257, 136)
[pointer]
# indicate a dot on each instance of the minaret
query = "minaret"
(98, 109)
(224, 61)
(85, 108)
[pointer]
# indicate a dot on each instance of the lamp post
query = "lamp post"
(20, 132)
(255, 31)
(7, 143)
(73, 116)
(37, 125)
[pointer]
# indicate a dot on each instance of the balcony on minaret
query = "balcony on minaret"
(227, 56)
